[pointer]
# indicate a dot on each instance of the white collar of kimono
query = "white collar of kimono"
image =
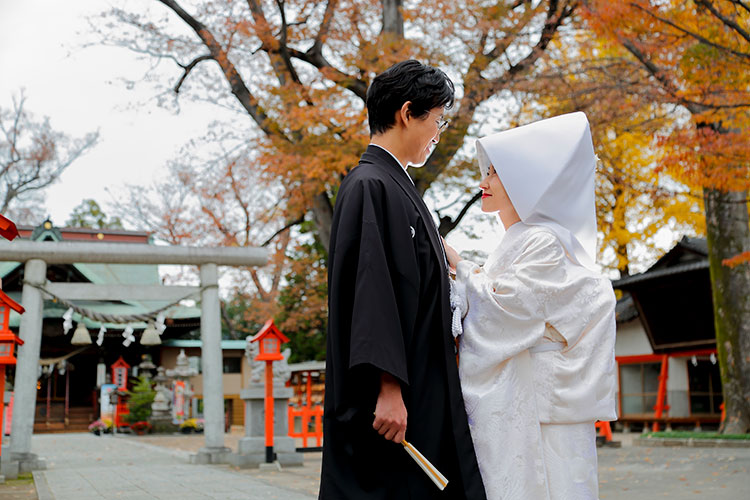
(548, 170)
(394, 157)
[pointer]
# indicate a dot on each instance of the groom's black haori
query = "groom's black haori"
(389, 312)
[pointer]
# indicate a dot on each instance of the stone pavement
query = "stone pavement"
(86, 467)
(677, 472)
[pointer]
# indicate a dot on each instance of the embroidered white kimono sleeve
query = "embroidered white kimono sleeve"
(528, 296)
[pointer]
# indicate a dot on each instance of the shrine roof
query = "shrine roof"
(225, 344)
(625, 309)
(672, 299)
(100, 274)
(659, 273)
(307, 366)
(103, 274)
(688, 254)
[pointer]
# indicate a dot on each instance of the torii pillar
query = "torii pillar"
(27, 366)
(211, 367)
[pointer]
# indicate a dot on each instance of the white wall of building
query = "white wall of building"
(677, 388)
(631, 339)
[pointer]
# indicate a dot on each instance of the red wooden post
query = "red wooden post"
(2, 407)
(604, 430)
(8, 342)
(318, 424)
(308, 406)
(8, 339)
(269, 411)
(49, 397)
(660, 405)
(309, 388)
(269, 339)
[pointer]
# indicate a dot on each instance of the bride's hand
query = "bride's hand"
(452, 255)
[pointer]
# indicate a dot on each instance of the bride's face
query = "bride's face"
(494, 196)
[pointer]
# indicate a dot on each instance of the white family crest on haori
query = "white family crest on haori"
(548, 169)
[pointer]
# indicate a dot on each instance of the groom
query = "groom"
(391, 369)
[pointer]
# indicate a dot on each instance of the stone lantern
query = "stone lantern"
(264, 414)
(181, 389)
(146, 366)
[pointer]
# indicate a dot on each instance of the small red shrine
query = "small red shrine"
(269, 340)
(120, 371)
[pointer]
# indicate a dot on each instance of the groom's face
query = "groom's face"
(421, 134)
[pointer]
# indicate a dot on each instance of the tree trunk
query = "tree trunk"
(728, 234)
(323, 216)
(393, 19)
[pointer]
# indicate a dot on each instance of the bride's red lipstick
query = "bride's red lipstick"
(485, 195)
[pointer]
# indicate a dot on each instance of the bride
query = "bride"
(536, 322)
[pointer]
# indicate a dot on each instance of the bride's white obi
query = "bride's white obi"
(537, 347)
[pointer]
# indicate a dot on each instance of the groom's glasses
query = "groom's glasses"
(441, 123)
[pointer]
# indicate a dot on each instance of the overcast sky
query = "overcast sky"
(82, 90)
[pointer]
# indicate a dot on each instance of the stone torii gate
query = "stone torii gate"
(38, 254)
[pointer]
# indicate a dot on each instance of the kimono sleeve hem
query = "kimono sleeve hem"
(399, 374)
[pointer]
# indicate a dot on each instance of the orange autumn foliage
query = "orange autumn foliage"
(298, 70)
(694, 55)
(634, 202)
(698, 56)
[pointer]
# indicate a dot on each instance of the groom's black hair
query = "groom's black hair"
(426, 87)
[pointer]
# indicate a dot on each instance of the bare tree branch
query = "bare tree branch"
(325, 26)
(316, 59)
(447, 224)
(666, 84)
(287, 226)
(239, 89)
(188, 68)
(698, 37)
(32, 154)
(276, 49)
(741, 4)
(727, 21)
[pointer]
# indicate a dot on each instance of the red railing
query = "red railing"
(661, 396)
(308, 415)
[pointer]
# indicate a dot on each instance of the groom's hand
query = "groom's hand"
(390, 412)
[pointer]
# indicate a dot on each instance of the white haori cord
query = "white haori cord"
(457, 305)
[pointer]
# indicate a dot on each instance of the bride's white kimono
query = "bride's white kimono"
(537, 366)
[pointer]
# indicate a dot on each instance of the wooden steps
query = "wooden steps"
(78, 419)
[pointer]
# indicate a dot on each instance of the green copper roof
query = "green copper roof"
(104, 274)
(225, 344)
